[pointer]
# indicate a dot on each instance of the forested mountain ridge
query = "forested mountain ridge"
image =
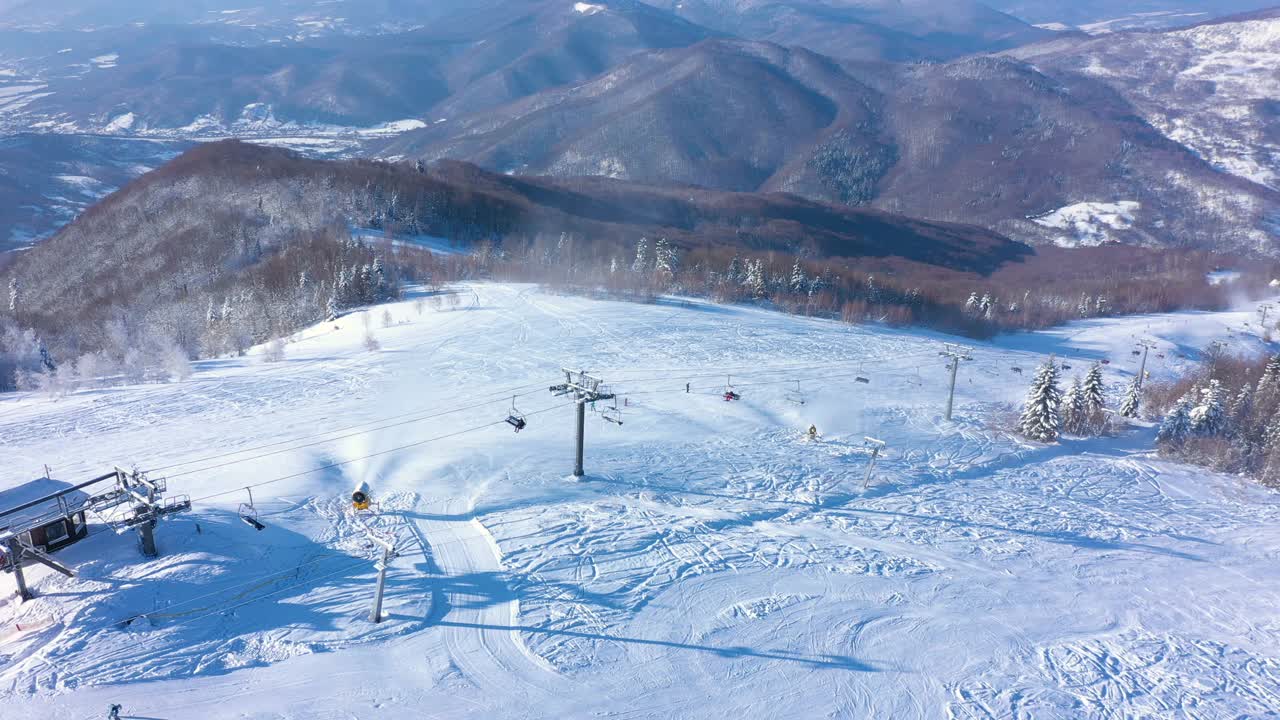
(987, 140)
(232, 243)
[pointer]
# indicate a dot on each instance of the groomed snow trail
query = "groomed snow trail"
(475, 605)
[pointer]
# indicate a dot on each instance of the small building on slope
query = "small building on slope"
(44, 514)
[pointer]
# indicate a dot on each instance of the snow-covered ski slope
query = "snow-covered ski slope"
(712, 564)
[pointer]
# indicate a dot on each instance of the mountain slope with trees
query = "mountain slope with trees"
(985, 140)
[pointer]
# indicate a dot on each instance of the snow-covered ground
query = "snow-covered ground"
(1089, 223)
(712, 564)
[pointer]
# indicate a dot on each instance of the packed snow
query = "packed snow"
(588, 8)
(1089, 223)
(103, 62)
(714, 562)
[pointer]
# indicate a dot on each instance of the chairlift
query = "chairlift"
(249, 514)
(1017, 370)
(796, 396)
(1105, 361)
(864, 381)
(729, 394)
(516, 418)
(1135, 353)
(612, 414)
(1066, 366)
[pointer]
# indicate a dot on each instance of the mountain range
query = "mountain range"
(1158, 138)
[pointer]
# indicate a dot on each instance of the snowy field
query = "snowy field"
(712, 564)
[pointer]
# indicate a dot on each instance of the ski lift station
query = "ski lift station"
(44, 514)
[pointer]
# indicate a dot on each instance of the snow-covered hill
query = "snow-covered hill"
(1213, 88)
(712, 564)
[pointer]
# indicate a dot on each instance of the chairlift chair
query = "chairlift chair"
(612, 414)
(796, 396)
(515, 418)
(729, 394)
(864, 381)
(249, 514)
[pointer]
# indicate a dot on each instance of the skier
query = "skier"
(113, 712)
(686, 388)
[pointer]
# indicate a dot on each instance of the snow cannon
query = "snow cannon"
(360, 497)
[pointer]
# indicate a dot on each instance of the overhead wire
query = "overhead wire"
(340, 463)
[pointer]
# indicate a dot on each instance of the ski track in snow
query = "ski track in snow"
(712, 564)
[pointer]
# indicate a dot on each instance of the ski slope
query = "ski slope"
(713, 563)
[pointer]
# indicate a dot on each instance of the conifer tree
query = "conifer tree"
(1095, 399)
(1270, 380)
(1208, 418)
(1041, 416)
(1177, 424)
(1132, 399)
(641, 264)
(1074, 410)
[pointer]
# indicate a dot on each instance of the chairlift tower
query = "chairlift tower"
(955, 355)
(584, 389)
(1146, 346)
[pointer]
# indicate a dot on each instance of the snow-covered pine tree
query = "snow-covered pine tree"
(13, 295)
(1241, 408)
(1095, 401)
(641, 264)
(1132, 399)
(1177, 424)
(332, 309)
(664, 260)
(753, 279)
(613, 266)
(1270, 380)
(1209, 417)
(1075, 412)
(797, 277)
(971, 305)
(1095, 398)
(1041, 416)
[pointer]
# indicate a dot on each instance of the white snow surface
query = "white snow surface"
(712, 563)
(1089, 223)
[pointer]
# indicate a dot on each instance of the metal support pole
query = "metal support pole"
(951, 394)
(955, 355)
(871, 466)
(1142, 370)
(15, 556)
(582, 426)
(376, 615)
(147, 538)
